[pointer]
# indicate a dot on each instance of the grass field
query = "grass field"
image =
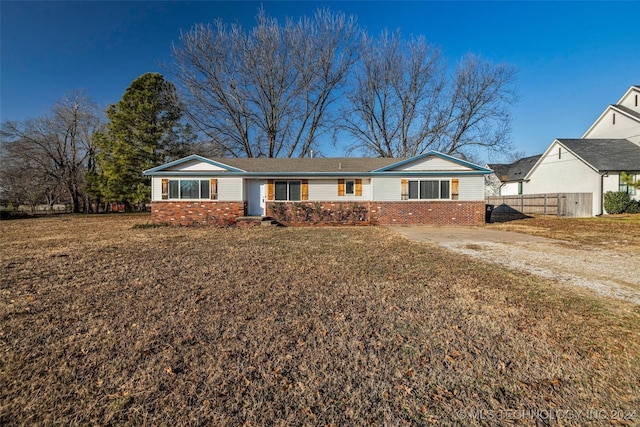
(620, 232)
(106, 323)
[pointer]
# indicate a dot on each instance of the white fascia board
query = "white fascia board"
(161, 169)
(319, 174)
(433, 153)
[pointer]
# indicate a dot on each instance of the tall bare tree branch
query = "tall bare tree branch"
(58, 145)
(266, 92)
(402, 102)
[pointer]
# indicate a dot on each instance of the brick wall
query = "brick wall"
(320, 213)
(197, 213)
(379, 213)
(217, 213)
(428, 213)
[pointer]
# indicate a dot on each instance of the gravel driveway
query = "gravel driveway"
(611, 273)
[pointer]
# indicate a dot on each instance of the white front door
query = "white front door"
(255, 197)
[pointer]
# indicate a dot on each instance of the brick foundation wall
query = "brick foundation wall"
(215, 213)
(319, 213)
(212, 213)
(428, 213)
(378, 213)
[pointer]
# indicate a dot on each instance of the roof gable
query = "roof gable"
(629, 97)
(433, 161)
(192, 163)
(628, 106)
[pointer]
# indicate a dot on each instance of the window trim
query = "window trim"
(356, 186)
(288, 186)
(346, 187)
(417, 186)
(168, 189)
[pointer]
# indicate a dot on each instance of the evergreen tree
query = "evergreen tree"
(143, 132)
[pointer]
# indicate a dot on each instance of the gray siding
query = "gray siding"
(229, 189)
(327, 190)
(471, 188)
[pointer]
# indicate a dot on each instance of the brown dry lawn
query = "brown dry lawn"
(620, 232)
(103, 323)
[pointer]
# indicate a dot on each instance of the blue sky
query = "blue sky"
(574, 58)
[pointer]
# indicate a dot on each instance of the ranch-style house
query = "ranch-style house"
(432, 188)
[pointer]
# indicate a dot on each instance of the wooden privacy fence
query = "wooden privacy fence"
(558, 204)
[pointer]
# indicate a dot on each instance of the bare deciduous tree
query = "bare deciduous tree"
(266, 92)
(478, 113)
(403, 103)
(56, 147)
(22, 178)
(391, 108)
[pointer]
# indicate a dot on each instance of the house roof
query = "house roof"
(317, 164)
(515, 171)
(605, 154)
(499, 169)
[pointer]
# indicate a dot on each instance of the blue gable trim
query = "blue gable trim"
(159, 169)
(321, 174)
(437, 154)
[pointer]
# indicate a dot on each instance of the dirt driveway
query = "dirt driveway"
(607, 272)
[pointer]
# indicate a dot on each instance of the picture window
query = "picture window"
(189, 189)
(430, 189)
(288, 190)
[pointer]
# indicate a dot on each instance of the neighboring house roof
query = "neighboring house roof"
(627, 110)
(515, 171)
(499, 169)
(316, 166)
(605, 154)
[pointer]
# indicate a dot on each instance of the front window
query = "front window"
(429, 189)
(189, 189)
(288, 190)
(349, 187)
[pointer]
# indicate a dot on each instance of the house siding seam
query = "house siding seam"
(214, 213)
(439, 213)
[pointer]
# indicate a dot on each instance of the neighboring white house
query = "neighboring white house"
(432, 188)
(593, 163)
(508, 179)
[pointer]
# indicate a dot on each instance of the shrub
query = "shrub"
(634, 207)
(279, 211)
(616, 202)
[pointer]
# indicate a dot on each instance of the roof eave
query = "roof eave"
(315, 174)
(433, 153)
(152, 171)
